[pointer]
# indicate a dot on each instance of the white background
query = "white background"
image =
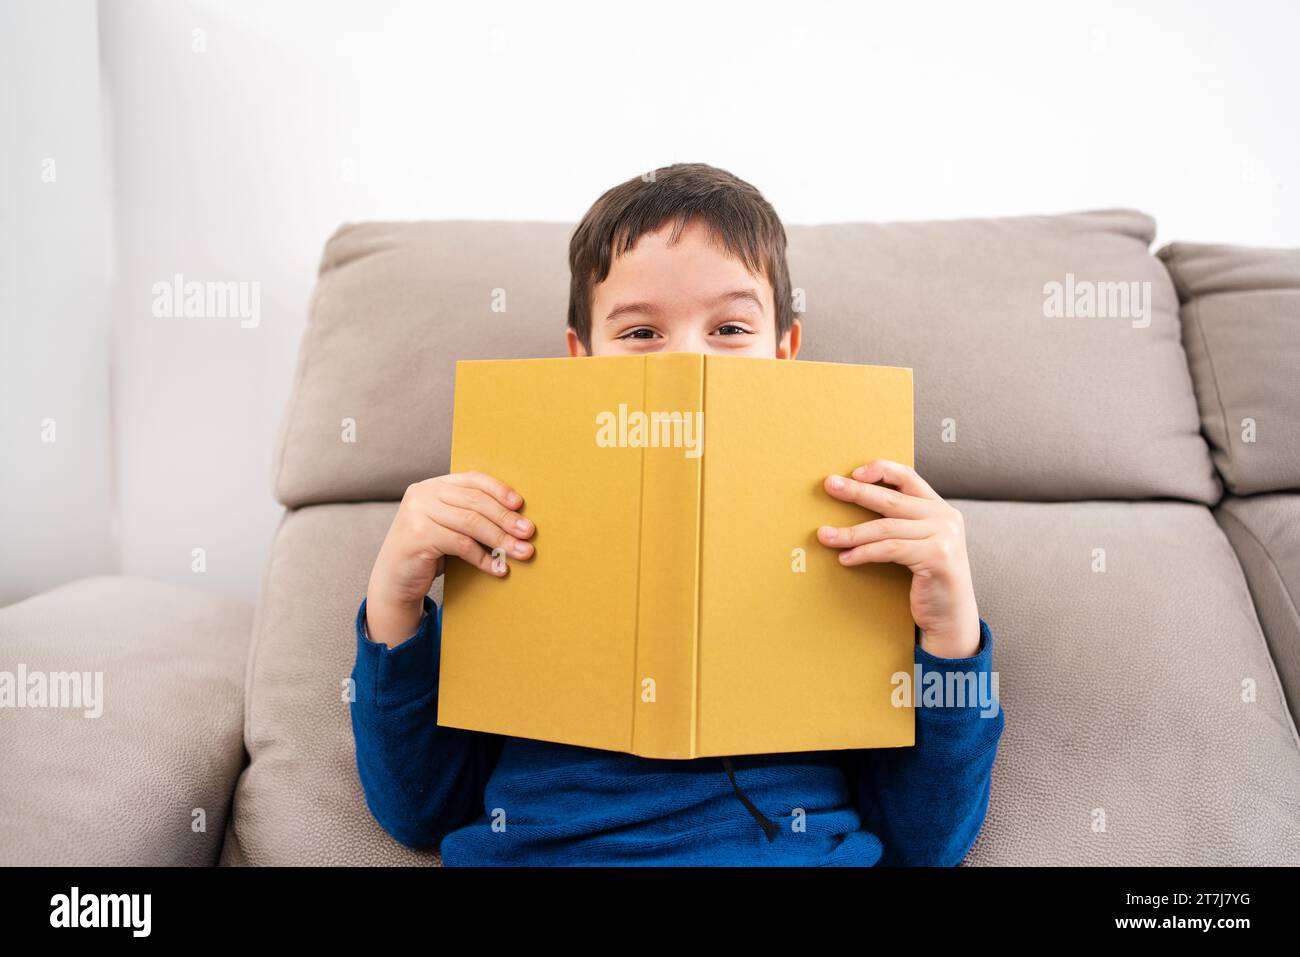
(237, 162)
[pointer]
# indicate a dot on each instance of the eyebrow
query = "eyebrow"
(649, 308)
(624, 308)
(739, 295)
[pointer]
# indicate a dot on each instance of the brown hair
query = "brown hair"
(736, 212)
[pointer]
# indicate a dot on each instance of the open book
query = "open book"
(678, 603)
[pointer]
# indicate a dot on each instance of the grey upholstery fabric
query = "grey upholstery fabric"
(1040, 408)
(1265, 531)
(1241, 329)
(300, 800)
(123, 787)
(396, 305)
(1122, 690)
(1146, 722)
(1131, 735)
(1060, 408)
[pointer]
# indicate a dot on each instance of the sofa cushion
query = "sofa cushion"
(299, 801)
(123, 788)
(1265, 532)
(395, 306)
(1011, 403)
(1122, 690)
(1241, 329)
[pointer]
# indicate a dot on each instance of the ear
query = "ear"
(788, 347)
(575, 346)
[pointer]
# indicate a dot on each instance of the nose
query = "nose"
(687, 337)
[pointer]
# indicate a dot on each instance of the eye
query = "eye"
(641, 332)
(733, 329)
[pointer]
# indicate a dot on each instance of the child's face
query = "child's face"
(691, 296)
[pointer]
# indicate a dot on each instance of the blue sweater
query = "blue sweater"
(488, 799)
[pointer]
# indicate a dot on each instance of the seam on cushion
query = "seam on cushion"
(1272, 667)
(1295, 611)
(260, 614)
(307, 349)
(263, 612)
(1194, 311)
(1180, 287)
(255, 644)
(1269, 555)
(1190, 303)
(1239, 293)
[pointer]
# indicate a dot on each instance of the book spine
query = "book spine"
(665, 712)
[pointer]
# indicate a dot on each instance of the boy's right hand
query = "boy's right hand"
(466, 514)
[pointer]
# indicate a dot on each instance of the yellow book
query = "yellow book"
(678, 603)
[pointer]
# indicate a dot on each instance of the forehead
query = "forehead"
(695, 266)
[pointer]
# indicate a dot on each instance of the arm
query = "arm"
(927, 803)
(421, 781)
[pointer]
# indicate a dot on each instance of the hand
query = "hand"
(469, 515)
(922, 531)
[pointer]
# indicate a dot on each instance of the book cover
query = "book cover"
(678, 603)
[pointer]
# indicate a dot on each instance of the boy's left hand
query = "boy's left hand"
(922, 531)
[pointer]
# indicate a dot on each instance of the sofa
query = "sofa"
(1120, 429)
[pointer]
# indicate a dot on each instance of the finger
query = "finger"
(480, 528)
(498, 489)
(468, 550)
(426, 497)
(878, 498)
(509, 521)
(902, 477)
(909, 552)
(876, 531)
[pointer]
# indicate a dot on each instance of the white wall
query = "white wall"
(237, 162)
(55, 465)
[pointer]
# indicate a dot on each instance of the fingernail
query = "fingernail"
(519, 548)
(522, 526)
(837, 483)
(828, 533)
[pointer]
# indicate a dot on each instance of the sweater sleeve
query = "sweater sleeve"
(927, 803)
(421, 781)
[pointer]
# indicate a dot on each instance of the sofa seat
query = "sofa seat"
(1128, 739)
(148, 780)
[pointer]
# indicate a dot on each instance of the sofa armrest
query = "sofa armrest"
(121, 723)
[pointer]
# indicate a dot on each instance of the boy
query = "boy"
(691, 259)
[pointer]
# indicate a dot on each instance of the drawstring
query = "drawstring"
(769, 827)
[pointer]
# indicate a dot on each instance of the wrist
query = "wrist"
(390, 621)
(961, 640)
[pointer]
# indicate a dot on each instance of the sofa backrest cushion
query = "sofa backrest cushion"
(1241, 330)
(1037, 374)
